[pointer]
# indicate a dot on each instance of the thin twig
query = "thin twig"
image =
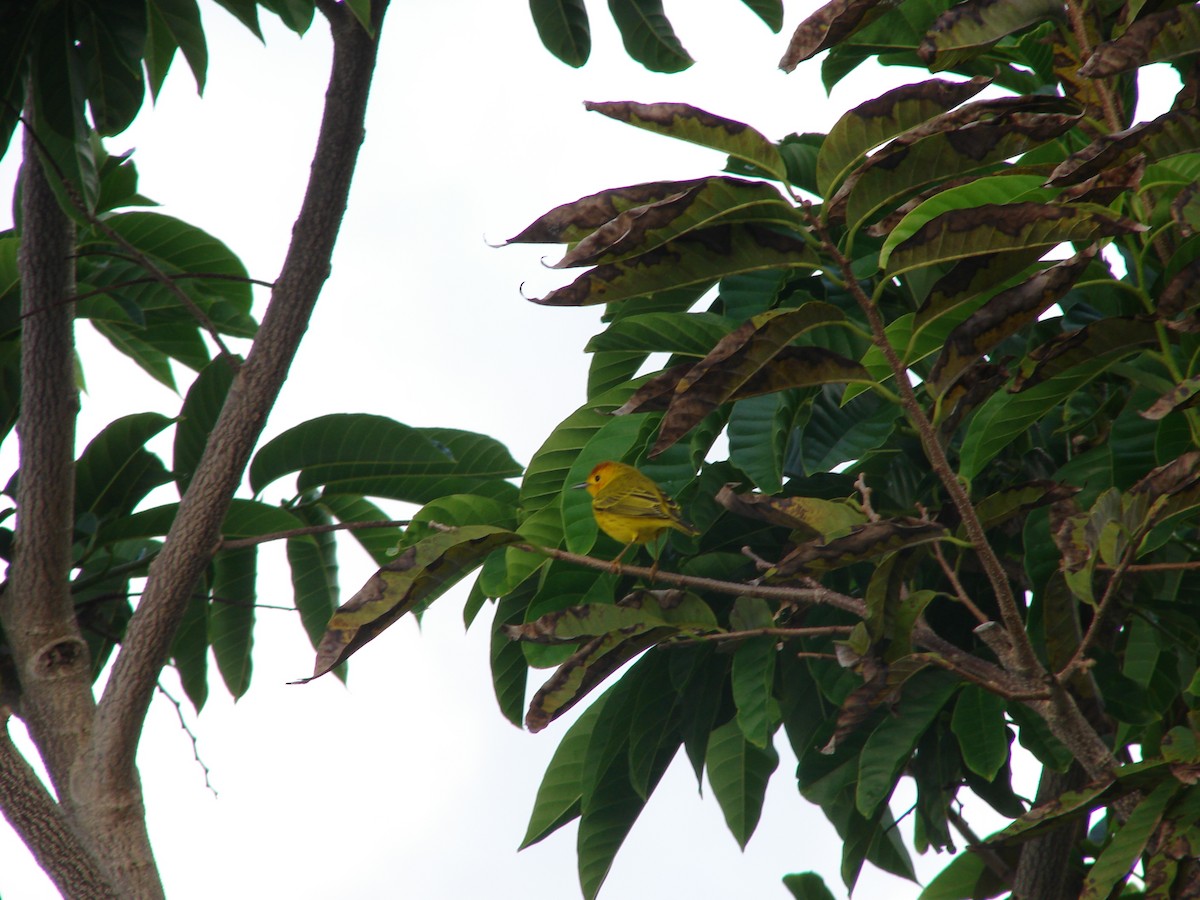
(188, 731)
(990, 857)
(815, 631)
(238, 543)
(142, 260)
(1151, 567)
(1025, 660)
(959, 590)
(860, 484)
(943, 653)
(1102, 609)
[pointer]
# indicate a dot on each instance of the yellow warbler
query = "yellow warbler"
(630, 508)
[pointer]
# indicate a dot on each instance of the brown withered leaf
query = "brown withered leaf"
(645, 227)
(1106, 186)
(865, 542)
(802, 367)
(829, 25)
(1172, 133)
(733, 361)
(977, 382)
(1116, 335)
(583, 671)
(960, 141)
(1003, 316)
(421, 573)
(870, 124)
(1179, 474)
(970, 277)
(979, 23)
(827, 519)
(792, 367)
(1014, 502)
(1170, 34)
(1182, 292)
(882, 686)
(698, 257)
(1185, 209)
(654, 395)
(1064, 514)
(635, 613)
(650, 618)
(1182, 396)
(575, 220)
(979, 230)
(698, 126)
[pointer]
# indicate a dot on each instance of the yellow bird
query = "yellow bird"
(630, 508)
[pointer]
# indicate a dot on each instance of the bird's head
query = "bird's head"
(600, 475)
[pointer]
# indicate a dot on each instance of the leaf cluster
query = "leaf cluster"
(925, 377)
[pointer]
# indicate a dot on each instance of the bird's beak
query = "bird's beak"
(577, 487)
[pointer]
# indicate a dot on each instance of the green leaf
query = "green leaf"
(189, 647)
(758, 438)
(770, 11)
(1004, 416)
(231, 616)
(738, 772)
(648, 36)
(753, 673)
(807, 886)
(109, 36)
(115, 471)
(836, 434)
(175, 24)
(611, 803)
(509, 670)
(1113, 865)
(200, 410)
(978, 723)
(893, 740)
(563, 27)
(559, 795)
(364, 454)
(313, 561)
(689, 334)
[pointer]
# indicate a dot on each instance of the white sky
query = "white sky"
(409, 782)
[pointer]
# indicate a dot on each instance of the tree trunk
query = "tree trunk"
(1044, 872)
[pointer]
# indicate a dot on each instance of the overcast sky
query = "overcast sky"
(408, 782)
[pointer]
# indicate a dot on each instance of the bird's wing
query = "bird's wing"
(638, 504)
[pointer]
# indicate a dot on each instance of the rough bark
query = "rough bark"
(1045, 871)
(33, 814)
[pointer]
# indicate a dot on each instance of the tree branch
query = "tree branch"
(195, 533)
(40, 822)
(1023, 660)
(36, 609)
(943, 653)
(237, 543)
